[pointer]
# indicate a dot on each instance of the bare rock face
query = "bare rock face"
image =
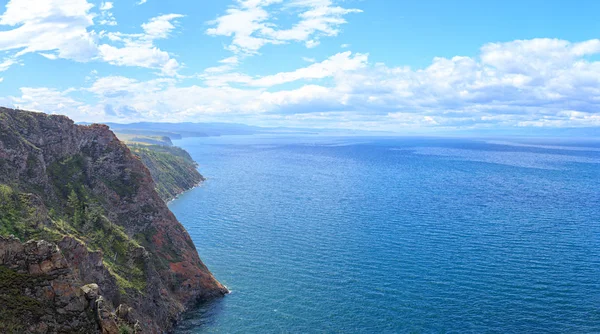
(106, 251)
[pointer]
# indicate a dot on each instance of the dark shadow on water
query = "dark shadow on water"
(204, 314)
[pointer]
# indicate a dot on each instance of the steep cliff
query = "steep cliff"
(171, 168)
(106, 251)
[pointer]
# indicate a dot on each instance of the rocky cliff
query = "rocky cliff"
(89, 245)
(172, 168)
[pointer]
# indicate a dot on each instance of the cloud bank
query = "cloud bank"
(522, 83)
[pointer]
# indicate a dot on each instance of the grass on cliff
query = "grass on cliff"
(172, 168)
(12, 208)
(88, 222)
(18, 217)
(80, 216)
(75, 211)
(14, 305)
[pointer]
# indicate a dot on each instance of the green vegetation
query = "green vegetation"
(82, 184)
(74, 210)
(88, 223)
(144, 139)
(15, 305)
(18, 217)
(124, 329)
(83, 219)
(78, 214)
(172, 168)
(67, 173)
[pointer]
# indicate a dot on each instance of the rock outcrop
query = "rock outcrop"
(106, 254)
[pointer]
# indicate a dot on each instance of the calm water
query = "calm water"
(317, 234)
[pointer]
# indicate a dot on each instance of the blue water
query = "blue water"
(324, 234)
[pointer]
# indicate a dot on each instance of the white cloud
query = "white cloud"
(312, 44)
(139, 49)
(56, 26)
(50, 56)
(47, 100)
(106, 6)
(106, 17)
(539, 82)
(64, 29)
(228, 64)
(345, 61)
(340, 62)
(160, 27)
(141, 2)
(7, 63)
(251, 25)
(135, 55)
(161, 99)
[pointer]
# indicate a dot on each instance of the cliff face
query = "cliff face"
(172, 168)
(112, 253)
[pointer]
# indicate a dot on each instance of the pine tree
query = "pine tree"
(75, 206)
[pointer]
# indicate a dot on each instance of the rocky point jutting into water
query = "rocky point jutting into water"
(86, 243)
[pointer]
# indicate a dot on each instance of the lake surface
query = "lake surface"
(404, 235)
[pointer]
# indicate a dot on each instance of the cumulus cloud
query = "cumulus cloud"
(57, 27)
(251, 23)
(161, 99)
(526, 82)
(160, 27)
(345, 61)
(50, 101)
(340, 62)
(139, 49)
(538, 82)
(64, 29)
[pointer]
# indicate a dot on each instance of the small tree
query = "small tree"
(75, 205)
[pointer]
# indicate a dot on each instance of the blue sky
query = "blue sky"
(361, 64)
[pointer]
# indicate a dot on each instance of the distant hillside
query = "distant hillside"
(172, 168)
(145, 139)
(179, 130)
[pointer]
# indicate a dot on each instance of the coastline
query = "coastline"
(185, 191)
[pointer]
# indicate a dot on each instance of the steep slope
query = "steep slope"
(91, 208)
(171, 168)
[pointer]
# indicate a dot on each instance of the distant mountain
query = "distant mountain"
(188, 129)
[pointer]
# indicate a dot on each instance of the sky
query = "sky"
(425, 65)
